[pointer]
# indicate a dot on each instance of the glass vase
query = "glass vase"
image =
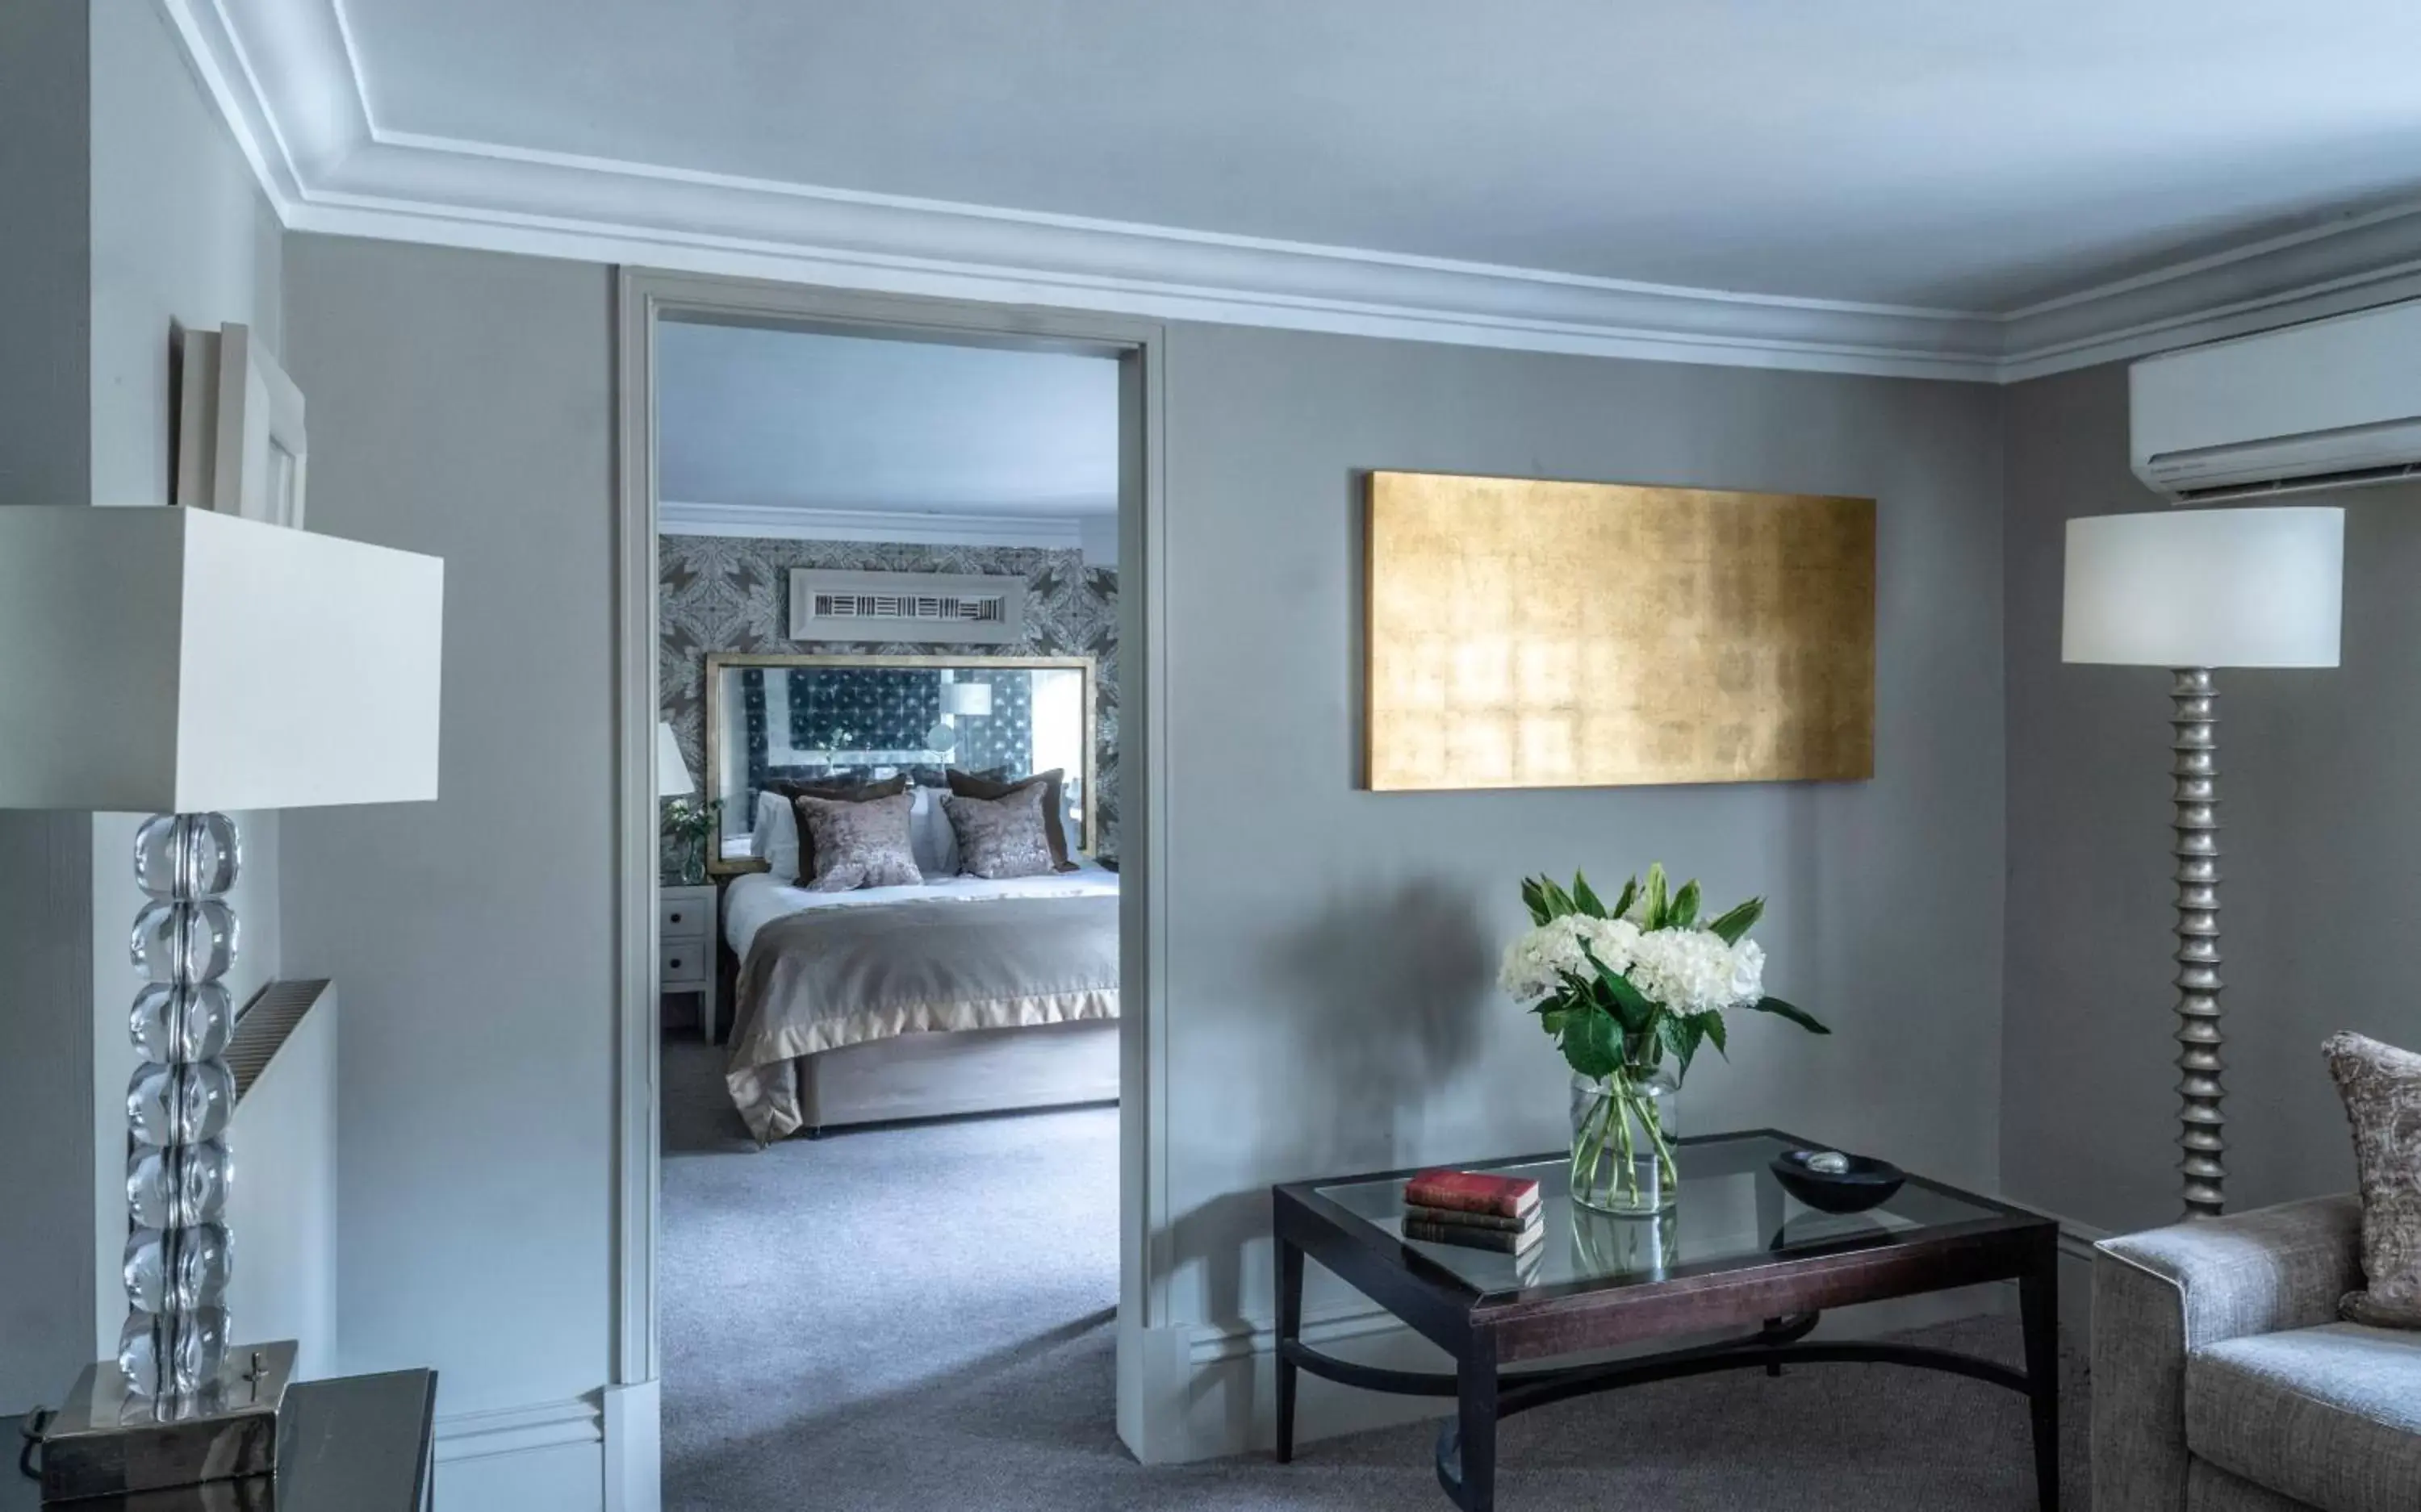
(1623, 1129)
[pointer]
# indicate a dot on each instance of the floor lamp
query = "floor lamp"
(2193, 590)
(183, 663)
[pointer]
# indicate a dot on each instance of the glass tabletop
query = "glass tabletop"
(1731, 1212)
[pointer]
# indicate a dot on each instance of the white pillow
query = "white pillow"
(776, 838)
(935, 843)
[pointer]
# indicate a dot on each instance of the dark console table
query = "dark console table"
(357, 1444)
(1735, 1251)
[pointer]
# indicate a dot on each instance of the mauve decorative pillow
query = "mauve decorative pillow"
(991, 785)
(2381, 1087)
(861, 845)
(1001, 837)
(840, 791)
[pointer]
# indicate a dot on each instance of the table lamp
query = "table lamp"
(2193, 590)
(183, 662)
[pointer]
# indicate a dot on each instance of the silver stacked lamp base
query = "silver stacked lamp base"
(177, 1407)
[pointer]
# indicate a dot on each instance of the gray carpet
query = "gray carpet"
(842, 1330)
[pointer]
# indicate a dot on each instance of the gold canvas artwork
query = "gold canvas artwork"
(1538, 634)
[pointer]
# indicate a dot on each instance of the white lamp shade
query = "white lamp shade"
(2206, 588)
(161, 660)
(973, 698)
(672, 773)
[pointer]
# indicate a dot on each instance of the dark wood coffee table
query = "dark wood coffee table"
(1737, 1250)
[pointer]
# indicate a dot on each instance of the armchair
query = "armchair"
(2224, 1381)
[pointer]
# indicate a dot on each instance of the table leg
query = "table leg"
(2038, 1304)
(1476, 1391)
(1290, 1333)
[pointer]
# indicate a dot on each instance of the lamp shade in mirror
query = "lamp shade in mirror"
(672, 772)
(2206, 588)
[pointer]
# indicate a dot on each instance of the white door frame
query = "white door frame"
(643, 296)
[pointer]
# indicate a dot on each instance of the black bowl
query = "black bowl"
(1867, 1182)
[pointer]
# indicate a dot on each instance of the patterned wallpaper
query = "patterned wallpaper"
(724, 593)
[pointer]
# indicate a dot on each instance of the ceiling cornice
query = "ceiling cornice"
(685, 517)
(285, 75)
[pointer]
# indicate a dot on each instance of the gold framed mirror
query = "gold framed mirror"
(837, 717)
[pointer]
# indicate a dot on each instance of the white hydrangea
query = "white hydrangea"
(1536, 963)
(1693, 971)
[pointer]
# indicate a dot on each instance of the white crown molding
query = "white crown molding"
(2346, 265)
(682, 517)
(287, 77)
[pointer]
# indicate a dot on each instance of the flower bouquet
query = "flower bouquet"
(687, 825)
(1629, 994)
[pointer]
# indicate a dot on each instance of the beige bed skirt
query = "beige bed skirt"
(969, 1071)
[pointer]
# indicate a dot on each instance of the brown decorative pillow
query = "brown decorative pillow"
(1002, 836)
(986, 786)
(2381, 1087)
(860, 844)
(840, 791)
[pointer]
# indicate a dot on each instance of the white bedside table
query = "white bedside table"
(685, 948)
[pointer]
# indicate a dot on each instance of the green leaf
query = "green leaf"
(1734, 927)
(1558, 901)
(1629, 895)
(1685, 911)
(1710, 1024)
(1534, 897)
(1629, 1005)
(1592, 1045)
(1782, 1010)
(1552, 1018)
(1680, 1036)
(1655, 904)
(1585, 898)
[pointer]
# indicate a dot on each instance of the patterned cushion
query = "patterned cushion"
(2327, 1415)
(840, 790)
(1002, 836)
(992, 785)
(861, 845)
(2381, 1087)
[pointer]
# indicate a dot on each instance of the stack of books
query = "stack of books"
(1475, 1209)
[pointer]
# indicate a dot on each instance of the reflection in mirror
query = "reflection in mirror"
(773, 719)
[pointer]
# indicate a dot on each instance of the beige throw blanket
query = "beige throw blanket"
(823, 978)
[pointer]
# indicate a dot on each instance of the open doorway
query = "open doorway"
(888, 975)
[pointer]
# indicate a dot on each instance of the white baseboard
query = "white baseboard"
(546, 1454)
(635, 1447)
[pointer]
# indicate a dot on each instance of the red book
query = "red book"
(1474, 1192)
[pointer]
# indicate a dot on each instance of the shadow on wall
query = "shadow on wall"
(1386, 994)
(1390, 990)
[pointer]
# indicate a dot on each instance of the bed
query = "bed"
(960, 995)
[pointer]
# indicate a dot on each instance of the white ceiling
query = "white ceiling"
(1975, 157)
(771, 419)
(1883, 185)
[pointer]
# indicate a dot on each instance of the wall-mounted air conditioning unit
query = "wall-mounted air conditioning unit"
(873, 607)
(2332, 404)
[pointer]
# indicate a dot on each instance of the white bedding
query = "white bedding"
(754, 900)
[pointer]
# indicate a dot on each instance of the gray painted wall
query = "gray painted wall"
(1332, 952)
(460, 407)
(2323, 860)
(45, 859)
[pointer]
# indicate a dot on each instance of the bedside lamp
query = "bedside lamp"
(672, 771)
(968, 699)
(2190, 590)
(183, 662)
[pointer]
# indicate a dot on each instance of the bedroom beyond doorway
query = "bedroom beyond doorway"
(887, 635)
